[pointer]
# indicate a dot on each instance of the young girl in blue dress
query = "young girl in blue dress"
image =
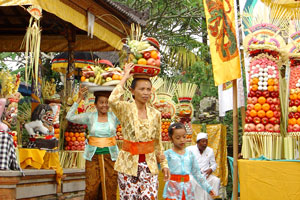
(182, 163)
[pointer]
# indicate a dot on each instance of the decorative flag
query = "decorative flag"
(225, 91)
(220, 19)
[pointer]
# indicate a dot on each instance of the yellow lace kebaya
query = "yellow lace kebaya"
(136, 130)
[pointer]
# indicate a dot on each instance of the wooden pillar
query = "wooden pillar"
(36, 89)
(235, 141)
(71, 37)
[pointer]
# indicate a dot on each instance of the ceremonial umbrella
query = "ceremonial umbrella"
(81, 59)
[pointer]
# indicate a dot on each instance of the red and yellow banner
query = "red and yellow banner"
(223, 42)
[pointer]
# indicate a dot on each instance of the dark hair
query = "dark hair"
(101, 94)
(174, 126)
(135, 80)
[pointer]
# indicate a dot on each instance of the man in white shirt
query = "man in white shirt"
(207, 163)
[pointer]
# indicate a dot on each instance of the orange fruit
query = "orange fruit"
(71, 134)
(115, 77)
(266, 107)
(56, 131)
(166, 130)
(82, 79)
(82, 134)
(269, 114)
(261, 100)
(293, 96)
(254, 87)
(270, 88)
(298, 108)
(68, 139)
(163, 126)
(82, 138)
(142, 61)
(253, 113)
(73, 139)
(271, 82)
(79, 139)
(154, 54)
(77, 134)
(66, 134)
(257, 106)
(298, 121)
(298, 96)
(261, 113)
(292, 121)
(255, 81)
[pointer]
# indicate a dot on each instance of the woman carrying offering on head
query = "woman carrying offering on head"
(141, 127)
(182, 164)
(101, 151)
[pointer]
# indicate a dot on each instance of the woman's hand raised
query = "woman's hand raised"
(127, 69)
(81, 93)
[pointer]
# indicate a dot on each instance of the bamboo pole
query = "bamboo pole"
(243, 115)
(235, 141)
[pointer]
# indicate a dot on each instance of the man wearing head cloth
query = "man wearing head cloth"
(207, 163)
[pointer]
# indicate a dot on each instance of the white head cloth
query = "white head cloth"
(201, 136)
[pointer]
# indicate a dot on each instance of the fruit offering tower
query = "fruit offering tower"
(166, 106)
(184, 108)
(75, 137)
(293, 128)
(262, 127)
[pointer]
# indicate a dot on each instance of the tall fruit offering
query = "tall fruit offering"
(292, 137)
(262, 124)
(184, 107)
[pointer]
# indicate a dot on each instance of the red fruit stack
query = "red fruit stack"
(294, 98)
(263, 104)
(75, 137)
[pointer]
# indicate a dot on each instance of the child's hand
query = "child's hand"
(212, 194)
(166, 173)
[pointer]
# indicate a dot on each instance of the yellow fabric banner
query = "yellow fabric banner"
(220, 19)
(217, 141)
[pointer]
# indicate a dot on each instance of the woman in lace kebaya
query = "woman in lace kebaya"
(182, 163)
(102, 150)
(141, 127)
